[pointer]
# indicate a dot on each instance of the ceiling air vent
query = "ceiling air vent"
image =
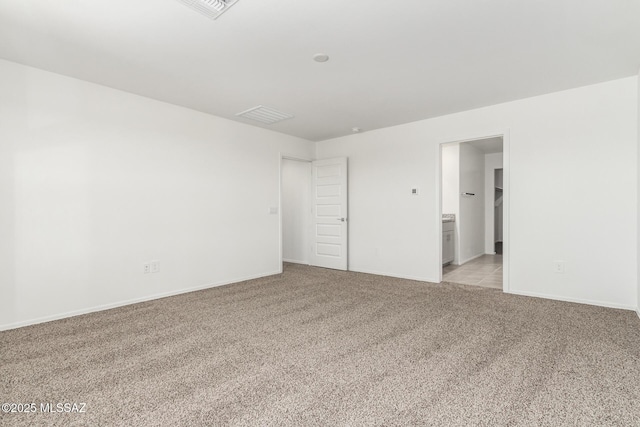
(209, 8)
(264, 115)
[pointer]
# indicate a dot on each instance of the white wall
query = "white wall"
(451, 190)
(638, 212)
(296, 207)
(566, 149)
(492, 162)
(471, 223)
(450, 178)
(95, 181)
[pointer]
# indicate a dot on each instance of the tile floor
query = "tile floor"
(483, 271)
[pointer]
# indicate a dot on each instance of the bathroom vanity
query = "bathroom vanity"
(448, 241)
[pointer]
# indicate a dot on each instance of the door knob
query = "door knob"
(341, 219)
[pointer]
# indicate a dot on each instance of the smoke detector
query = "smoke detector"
(321, 57)
(209, 8)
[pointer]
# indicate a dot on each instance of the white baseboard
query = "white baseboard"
(638, 312)
(576, 300)
(397, 276)
(103, 307)
(296, 261)
(471, 259)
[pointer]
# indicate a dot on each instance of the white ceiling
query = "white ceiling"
(389, 65)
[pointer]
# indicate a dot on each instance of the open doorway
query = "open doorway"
(314, 212)
(472, 208)
(296, 210)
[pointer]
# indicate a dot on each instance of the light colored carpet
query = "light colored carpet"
(320, 347)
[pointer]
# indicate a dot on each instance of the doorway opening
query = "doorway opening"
(473, 195)
(295, 208)
(314, 212)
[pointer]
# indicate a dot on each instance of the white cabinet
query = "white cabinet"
(447, 242)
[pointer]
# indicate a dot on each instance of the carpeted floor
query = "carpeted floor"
(315, 347)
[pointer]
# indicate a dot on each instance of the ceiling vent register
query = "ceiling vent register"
(264, 115)
(209, 8)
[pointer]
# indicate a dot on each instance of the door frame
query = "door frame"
(506, 246)
(284, 156)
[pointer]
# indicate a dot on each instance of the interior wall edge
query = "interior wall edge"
(638, 193)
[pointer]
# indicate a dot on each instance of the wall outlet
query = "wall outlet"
(155, 266)
(146, 268)
(558, 267)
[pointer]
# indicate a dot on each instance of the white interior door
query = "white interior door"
(329, 213)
